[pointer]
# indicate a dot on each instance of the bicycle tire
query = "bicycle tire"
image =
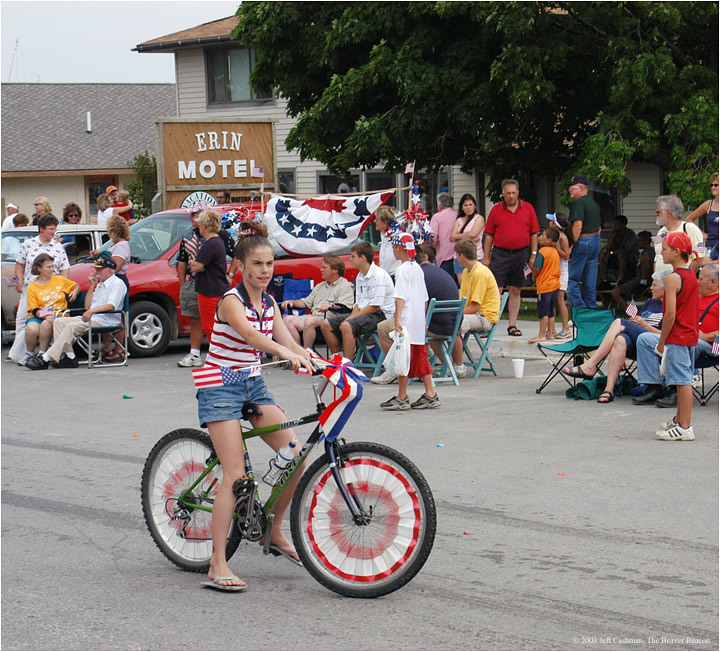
(364, 561)
(172, 466)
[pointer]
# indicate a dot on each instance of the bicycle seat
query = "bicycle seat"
(251, 410)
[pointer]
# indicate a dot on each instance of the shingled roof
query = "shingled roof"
(44, 126)
(216, 31)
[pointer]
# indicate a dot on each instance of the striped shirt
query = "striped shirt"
(227, 347)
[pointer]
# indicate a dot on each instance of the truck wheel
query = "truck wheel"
(149, 329)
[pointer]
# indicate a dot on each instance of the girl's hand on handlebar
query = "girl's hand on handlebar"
(300, 363)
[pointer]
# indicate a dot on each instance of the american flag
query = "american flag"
(715, 348)
(632, 309)
(207, 377)
(526, 270)
(410, 168)
(258, 173)
(321, 225)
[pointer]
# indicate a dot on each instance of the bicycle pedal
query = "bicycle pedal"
(243, 487)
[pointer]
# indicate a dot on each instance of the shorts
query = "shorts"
(419, 362)
(208, 308)
(630, 335)
(564, 274)
(360, 325)
(384, 328)
(476, 322)
(226, 402)
(546, 303)
(189, 300)
(508, 266)
(33, 320)
(679, 364)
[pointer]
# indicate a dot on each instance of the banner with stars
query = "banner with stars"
(322, 225)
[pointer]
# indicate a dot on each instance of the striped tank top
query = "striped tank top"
(227, 347)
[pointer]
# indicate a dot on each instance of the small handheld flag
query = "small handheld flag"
(632, 309)
(715, 348)
(410, 168)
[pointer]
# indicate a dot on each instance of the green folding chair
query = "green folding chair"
(590, 327)
(483, 339)
(445, 342)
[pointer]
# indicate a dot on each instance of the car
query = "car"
(155, 317)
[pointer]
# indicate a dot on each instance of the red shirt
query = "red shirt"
(710, 323)
(512, 230)
(685, 329)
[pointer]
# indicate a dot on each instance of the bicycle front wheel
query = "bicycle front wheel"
(376, 558)
(183, 534)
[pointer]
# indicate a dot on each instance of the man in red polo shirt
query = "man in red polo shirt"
(511, 232)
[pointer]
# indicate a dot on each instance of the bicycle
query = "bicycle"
(362, 519)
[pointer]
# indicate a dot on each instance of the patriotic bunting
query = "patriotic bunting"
(322, 225)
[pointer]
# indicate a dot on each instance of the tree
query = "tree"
(512, 88)
(144, 186)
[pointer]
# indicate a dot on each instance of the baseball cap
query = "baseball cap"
(406, 241)
(109, 189)
(10, 205)
(578, 179)
(679, 240)
(104, 260)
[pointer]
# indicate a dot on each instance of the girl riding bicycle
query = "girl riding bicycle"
(247, 323)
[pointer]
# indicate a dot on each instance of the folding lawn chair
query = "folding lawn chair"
(364, 358)
(590, 327)
(703, 394)
(484, 340)
(445, 342)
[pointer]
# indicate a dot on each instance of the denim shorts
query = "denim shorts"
(546, 303)
(679, 364)
(226, 403)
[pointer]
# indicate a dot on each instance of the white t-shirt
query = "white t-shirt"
(375, 289)
(104, 216)
(8, 222)
(410, 286)
(689, 228)
(387, 258)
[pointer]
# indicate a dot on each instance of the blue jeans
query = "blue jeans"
(583, 269)
(678, 362)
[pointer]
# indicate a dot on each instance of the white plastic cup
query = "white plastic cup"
(518, 366)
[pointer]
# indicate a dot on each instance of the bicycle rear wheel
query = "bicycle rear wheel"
(182, 534)
(364, 561)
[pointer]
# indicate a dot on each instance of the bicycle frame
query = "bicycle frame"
(281, 485)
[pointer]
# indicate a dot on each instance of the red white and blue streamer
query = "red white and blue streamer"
(346, 378)
(321, 225)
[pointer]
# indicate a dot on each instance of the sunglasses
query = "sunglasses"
(73, 215)
(713, 185)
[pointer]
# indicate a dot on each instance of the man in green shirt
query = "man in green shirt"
(586, 221)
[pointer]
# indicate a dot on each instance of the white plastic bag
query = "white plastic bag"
(397, 360)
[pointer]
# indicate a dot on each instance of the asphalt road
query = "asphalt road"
(561, 525)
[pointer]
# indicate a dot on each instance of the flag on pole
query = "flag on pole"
(410, 168)
(632, 309)
(715, 348)
(258, 173)
(322, 225)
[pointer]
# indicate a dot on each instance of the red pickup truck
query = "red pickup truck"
(155, 317)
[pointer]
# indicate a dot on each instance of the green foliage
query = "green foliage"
(144, 186)
(512, 88)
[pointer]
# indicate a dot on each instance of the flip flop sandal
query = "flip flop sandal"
(608, 396)
(277, 551)
(229, 588)
(514, 331)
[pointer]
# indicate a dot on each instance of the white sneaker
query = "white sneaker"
(385, 378)
(697, 379)
(676, 433)
(461, 371)
(668, 424)
(191, 360)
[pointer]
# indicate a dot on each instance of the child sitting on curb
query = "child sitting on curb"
(410, 301)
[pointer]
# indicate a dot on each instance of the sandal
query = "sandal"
(577, 372)
(113, 355)
(514, 331)
(607, 396)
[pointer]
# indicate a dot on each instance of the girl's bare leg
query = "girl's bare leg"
(226, 437)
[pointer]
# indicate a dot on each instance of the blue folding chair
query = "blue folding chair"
(484, 340)
(703, 394)
(445, 342)
(364, 357)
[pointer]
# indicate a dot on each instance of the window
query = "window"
(329, 185)
(228, 76)
(286, 182)
(96, 187)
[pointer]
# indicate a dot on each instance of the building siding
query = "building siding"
(639, 206)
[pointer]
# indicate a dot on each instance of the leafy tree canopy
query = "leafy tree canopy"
(143, 187)
(517, 88)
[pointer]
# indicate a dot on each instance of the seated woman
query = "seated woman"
(619, 341)
(47, 294)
